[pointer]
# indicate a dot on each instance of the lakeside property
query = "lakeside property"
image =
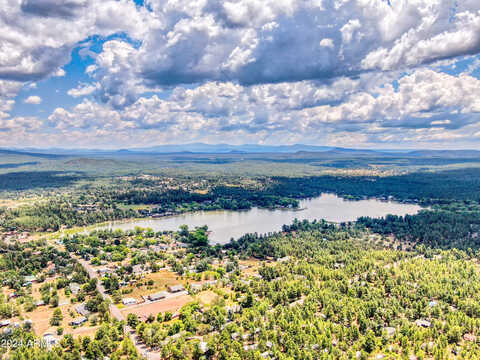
(227, 224)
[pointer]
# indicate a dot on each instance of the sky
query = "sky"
(350, 73)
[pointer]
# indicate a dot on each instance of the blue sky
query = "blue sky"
(53, 90)
(123, 73)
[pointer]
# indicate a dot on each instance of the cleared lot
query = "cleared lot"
(144, 310)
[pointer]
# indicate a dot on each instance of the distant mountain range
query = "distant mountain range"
(226, 148)
(184, 148)
(201, 148)
(25, 152)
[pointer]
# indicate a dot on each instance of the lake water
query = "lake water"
(225, 224)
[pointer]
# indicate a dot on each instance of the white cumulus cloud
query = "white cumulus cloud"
(33, 100)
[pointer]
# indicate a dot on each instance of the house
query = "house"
(176, 288)
(432, 303)
(103, 270)
(30, 278)
(196, 287)
(233, 309)
(74, 288)
(82, 310)
(203, 347)
(160, 247)
(138, 269)
(78, 321)
(157, 296)
(129, 301)
(4, 323)
(49, 340)
(423, 323)
(390, 331)
(40, 303)
(176, 315)
(143, 251)
(211, 282)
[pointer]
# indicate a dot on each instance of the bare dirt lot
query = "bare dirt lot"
(154, 308)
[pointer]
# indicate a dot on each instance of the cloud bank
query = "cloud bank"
(336, 72)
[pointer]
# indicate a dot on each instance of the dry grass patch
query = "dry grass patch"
(206, 298)
(41, 318)
(253, 266)
(85, 331)
(161, 280)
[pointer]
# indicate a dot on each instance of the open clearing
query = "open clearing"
(253, 266)
(154, 308)
(161, 279)
(206, 298)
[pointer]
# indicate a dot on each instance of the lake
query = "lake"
(225, 224)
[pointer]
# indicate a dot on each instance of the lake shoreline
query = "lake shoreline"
(227, 224)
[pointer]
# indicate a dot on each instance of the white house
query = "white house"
(129, 301)
(74, 288)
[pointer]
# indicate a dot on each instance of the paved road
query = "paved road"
(116, 313)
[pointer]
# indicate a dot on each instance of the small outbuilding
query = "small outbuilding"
(423, 323)
(78, 321)
(157, 296)
(176, 288)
